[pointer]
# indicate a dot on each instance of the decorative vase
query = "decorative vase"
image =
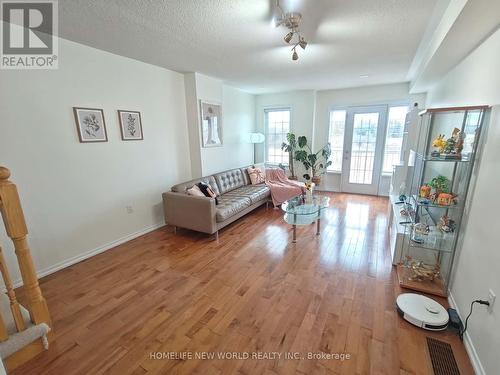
(309, 196)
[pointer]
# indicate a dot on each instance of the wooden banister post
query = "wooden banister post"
(15, 225)
(4, 335)
(14, 305)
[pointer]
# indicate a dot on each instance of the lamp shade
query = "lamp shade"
(256, 137)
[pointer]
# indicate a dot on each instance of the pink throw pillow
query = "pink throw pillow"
(256, 175)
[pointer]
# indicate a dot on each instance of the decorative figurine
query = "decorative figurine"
(439, 143)
(422, 271)
(425, 191)
(446, 199)
(422, 228)
(309, 192)
(440, 184)
(459, 146)
(446, 225)
(450, 148)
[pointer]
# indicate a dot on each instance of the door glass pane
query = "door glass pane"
(364, 140)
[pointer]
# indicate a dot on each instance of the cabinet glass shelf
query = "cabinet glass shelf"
(463, 159)
(419, 202)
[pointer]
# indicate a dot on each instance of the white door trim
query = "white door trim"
(371, 189)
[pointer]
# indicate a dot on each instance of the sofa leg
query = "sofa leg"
(175, 229)
(217, 236)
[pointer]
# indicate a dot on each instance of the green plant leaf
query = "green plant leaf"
(301, 155)
(302, 141)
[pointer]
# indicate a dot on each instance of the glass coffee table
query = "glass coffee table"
(300, 211)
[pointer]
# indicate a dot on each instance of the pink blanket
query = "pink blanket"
(281, 187)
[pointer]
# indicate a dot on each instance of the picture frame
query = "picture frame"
(211, 124)
(130, 125)
(90, 124)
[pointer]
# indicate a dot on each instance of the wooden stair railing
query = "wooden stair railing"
(14, 305)
(15, 225)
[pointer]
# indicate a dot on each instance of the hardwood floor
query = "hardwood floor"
(254, 291)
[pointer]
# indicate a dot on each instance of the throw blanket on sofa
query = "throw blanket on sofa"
(281, 187)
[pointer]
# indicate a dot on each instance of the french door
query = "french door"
(363, 149)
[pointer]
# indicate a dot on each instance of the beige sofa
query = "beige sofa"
(235, 194)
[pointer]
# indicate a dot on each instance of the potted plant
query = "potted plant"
(315, 162)
(440, 184)
(290, 146)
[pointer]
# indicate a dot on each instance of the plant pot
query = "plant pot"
(316, 180)
(292, 177)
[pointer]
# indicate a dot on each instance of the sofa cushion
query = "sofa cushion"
(195, 191)
(230, 180)
(229, 206)
(256, 175)
(254, 192)
(209, 180)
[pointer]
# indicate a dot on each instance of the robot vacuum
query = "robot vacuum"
(422, 311)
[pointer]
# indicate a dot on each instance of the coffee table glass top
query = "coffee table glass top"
(300, 206)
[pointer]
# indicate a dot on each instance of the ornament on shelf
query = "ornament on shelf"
(440, 144)
(446, 225)
(309, 191)
(446, 199)
(425, 191)
(421, 271)
(450, 148)
(422, 228)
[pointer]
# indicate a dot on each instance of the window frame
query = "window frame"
(389, 106)
(266, 128)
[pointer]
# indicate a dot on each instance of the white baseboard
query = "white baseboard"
(469, 346)
(69, 262)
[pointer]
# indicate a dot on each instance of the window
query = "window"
(472, 123)
(394, 137)
(277, 125)
(336, 139)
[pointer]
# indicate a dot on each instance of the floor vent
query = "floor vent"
(443, 360)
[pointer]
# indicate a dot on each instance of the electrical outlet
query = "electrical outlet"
(129, 209)
(491, 300)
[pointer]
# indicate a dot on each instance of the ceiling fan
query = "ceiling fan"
(290, 20)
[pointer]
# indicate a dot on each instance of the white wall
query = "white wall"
(477, 81)
(238, 121)
(74, 195)
(310, 114)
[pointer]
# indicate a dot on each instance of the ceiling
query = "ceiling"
(234, 40)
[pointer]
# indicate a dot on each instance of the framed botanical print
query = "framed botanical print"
(90, 124)
(211, 124)
(130, 125)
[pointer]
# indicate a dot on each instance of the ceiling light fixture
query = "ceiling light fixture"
(290, 20)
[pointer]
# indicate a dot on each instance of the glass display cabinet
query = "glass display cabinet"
(439, 175)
